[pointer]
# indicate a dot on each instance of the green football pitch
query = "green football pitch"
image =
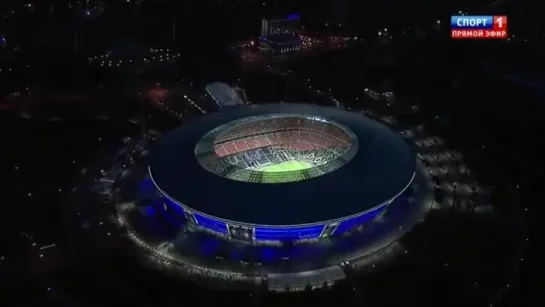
(288, 166)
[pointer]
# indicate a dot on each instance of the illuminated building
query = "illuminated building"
(291, 25)
(281, 35)
(277, 173)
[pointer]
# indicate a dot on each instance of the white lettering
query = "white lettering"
(471, 22)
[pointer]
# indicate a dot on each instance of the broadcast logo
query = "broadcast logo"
(478, 27)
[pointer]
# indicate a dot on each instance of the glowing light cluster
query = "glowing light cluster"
(154, 56)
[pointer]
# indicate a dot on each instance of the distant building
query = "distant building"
(223, 95)
(290, 25)
(280, 35)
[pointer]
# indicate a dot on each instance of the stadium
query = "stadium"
(281, 172)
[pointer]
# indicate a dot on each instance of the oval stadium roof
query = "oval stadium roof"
(382, 167)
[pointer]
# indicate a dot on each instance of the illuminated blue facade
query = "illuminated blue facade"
(293, 233)
(288, 233)
(280, 234)
(267, 233)
(293, 16)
